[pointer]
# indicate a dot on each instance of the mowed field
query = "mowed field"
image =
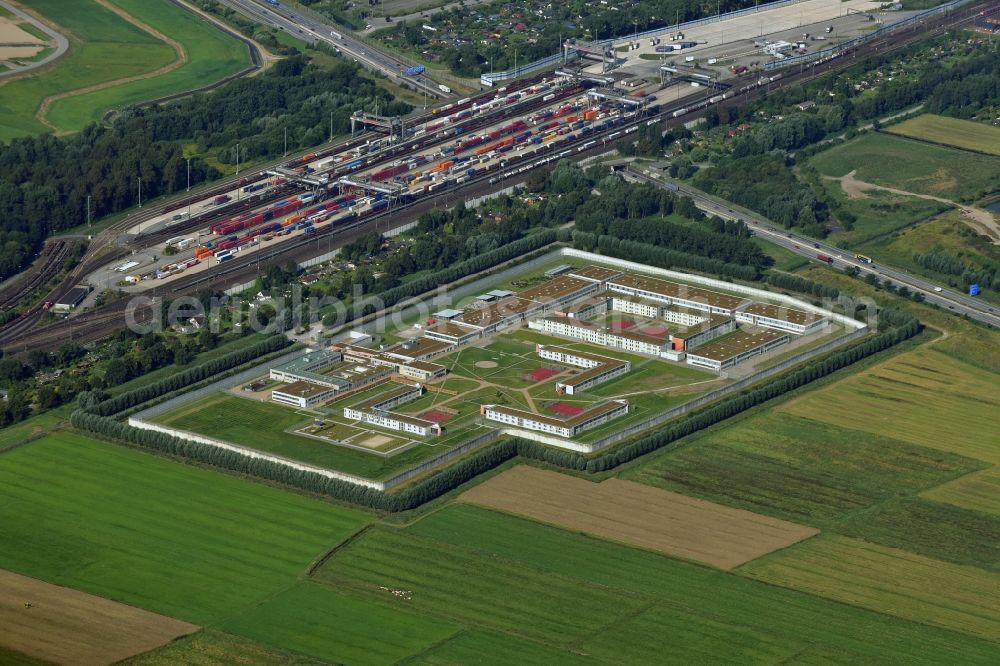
(104, 47)
(67, 626)
(164, 536)
(979, 491)
(956, 132)
(928, 399)
(596, 601)
(888, 580)
(913, 166)
(638, 515)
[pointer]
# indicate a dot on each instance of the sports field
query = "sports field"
(161, 535)
(638, 515)
(614, 604)
(978, 137)
(913, 166)
(888, 580)
(106, 48)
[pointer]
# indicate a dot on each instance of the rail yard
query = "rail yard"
(384, 176)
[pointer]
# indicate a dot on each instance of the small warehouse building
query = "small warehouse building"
(72, 299)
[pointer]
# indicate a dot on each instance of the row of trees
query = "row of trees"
(662, 257)
(941, 261)
(100, 406)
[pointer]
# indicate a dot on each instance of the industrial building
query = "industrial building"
(736, 348)
(561, 427)
(781, 318)
(599, 369)
(599, 274)
(376, 411)
(71, 300)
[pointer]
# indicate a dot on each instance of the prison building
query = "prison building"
(587, 308)
(781, 318)
(307, 367)
(559, 292)
(405, 362)
(600, 335)
(674, 293)
(302, 394)
(452, 333)
(377, 411)
(561, 427)
(636, 306)
(736, 348)
(497, 316)
(597, 369)
(598, 274)
(706, 328)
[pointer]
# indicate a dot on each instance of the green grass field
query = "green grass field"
(104, 47)
(157, 534)
(262, 425)
(926, 399)
(887, 580)
(879, 214)
(216, 648)
(457, 565)
(966, 134)
(912, 166)
(798, 469)
(979, 491)
(328, 624)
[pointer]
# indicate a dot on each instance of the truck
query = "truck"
(443, 88)
(336, 35)
(824, 258)
(414, 71)
(221, 199)
(863, 259)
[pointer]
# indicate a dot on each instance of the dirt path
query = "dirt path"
(979, 219)
(182, 58)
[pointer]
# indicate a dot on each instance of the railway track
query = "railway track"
(96, 324)
(53, 256)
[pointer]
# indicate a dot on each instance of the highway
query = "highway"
(311, 30)
(949, 299)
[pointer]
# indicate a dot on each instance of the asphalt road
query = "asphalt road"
(62, 44)
(948, 299)
(311, 30)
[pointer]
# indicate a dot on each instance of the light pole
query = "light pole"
(331, 126)
(188, 159)
(286, 142)
(139, 181)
